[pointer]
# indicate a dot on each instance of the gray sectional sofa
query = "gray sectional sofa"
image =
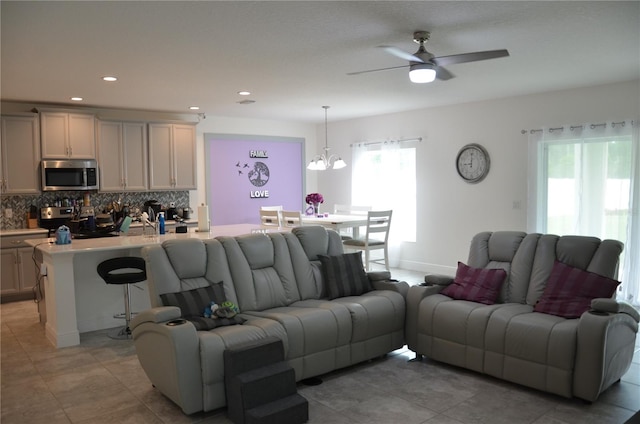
(277, 282)
(290, 286)
(572, 357)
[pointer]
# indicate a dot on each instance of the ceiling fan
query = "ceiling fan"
(425, 67)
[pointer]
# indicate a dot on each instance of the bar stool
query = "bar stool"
(124, 270)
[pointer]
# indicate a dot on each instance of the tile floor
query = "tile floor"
(101, 381)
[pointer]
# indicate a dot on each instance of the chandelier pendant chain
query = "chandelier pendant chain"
(326, 132)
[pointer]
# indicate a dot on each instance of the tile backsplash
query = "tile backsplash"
(20, 204)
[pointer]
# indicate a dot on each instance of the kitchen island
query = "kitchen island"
(77, 300)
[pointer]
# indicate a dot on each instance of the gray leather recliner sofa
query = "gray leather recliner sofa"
(578, 357)
(276, 281)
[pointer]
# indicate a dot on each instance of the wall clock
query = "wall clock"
(473, 163)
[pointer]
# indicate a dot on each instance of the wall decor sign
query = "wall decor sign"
(245, 172)
(259, 175)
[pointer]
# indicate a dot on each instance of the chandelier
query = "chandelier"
(326, 161)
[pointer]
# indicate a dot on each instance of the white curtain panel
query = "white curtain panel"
(383, 176)
(585, 180)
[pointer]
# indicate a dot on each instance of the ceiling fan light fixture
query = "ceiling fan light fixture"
(421, 73)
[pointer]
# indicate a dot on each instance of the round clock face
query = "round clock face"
(473, 163)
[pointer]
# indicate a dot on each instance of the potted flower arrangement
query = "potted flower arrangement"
(314, 199)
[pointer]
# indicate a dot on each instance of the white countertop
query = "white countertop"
(48, 246)
(23, 232)
(36, 231)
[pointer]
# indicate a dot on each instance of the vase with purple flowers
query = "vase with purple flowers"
(314, 199)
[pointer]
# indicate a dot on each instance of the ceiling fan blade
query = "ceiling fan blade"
(401, 54)
(469, 57)
(443, 74)
(376, 70)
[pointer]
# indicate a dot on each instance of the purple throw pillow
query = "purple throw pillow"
(476, 284)
(569, 291)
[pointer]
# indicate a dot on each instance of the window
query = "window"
(588, 183)
(384, 177)
(584, 184)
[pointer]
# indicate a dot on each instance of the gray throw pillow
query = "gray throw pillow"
(192, 304)
(204, 324)
(344, 275)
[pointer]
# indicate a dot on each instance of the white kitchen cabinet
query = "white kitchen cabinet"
(18, 270)
(19, 155)
(66, 135)
(10, 282)
(172, 157)
(122, 156)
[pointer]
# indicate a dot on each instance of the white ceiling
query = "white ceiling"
(294, 56)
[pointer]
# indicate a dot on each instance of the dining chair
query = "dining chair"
(375, 238)
(271, 208)
(270, 218)
(350, 209)
(291, 218)
(347, 233)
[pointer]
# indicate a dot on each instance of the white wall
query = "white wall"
(450, 211)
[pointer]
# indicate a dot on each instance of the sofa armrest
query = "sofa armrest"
(168, 349)
(438, 279)
(414, 297)
(156, 315)
(394, 285)
(614, 306)
(378, 275)
(605, 346)
(381, 280)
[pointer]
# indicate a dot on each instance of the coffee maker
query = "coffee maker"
(172, 212)
(152, 207)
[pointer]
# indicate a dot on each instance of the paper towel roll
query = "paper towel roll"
(203, 218)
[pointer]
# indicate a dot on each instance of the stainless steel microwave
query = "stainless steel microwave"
(75, 174)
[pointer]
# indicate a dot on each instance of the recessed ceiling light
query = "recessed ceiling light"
(244, 93)
(77, 99)
(246, 102)
(194, 107)
(109, 78)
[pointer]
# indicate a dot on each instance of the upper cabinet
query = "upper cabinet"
(67, 135)
(122, 156)
(172, 157)
(19, 155)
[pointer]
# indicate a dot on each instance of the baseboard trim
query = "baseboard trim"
(428, 268)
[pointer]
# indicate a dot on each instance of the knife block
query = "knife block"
(31, 222)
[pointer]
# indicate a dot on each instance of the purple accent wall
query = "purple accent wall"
(238, 183)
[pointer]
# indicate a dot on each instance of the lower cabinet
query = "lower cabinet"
(18, 271)
(18, 274)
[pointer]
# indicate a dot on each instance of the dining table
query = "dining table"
(337, 222)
